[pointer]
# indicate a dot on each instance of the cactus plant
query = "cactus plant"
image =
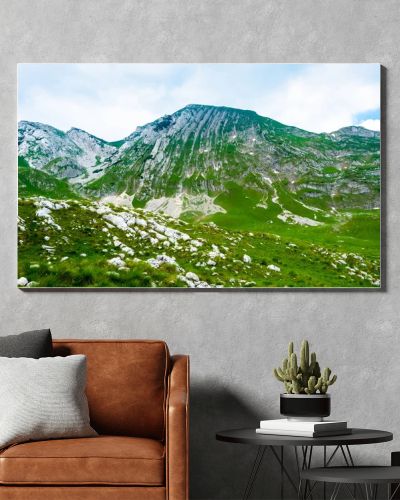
(304, 377)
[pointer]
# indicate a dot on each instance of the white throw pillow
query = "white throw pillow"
(43, 399)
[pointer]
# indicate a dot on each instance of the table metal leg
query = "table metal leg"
(351, 493)
(282, 490)
(344, 456)
(349, 454)
(304, 464)
(371, 491)
(367, 492)
(324, 486)
(253, 474)
(349, 463)
(335, 491)
(307, 457)
(284, 470)
(390, 494)
(297, 461)
(299, 490)
(311, 488)
(332, 456)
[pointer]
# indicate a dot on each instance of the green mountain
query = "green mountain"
(199, 149)
(74, 155)
(203, 149)
(227, 171)
(33, 182)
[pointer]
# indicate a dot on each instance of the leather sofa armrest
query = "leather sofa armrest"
(177, 431)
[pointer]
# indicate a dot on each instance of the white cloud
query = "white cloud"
(111, 100)
(110, 114)
(324, 98)
(218, 85)
(371, 124)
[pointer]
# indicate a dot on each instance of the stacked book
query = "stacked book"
(303, 428)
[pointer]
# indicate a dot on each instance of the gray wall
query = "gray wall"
(234, 339)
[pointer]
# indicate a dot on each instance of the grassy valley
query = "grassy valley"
(80, 243)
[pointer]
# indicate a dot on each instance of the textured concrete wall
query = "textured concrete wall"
(234, 339)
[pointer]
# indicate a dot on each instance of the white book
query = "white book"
(311, 434)
(303, 425)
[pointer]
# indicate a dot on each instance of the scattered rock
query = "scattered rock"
(216, 253)
(192, 276)
(127, 250)
(141, 222)
(45, 213)
(193, 281)
(32, 284)
(162, 259)
(116, 220)
(116, 261)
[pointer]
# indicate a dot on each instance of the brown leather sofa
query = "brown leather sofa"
(138, 400)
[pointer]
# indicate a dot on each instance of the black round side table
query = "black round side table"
(370, 477)
(303, 450)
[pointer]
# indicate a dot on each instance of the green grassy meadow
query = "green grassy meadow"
(238, 249)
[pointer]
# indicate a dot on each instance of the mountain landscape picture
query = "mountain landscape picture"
(199, 175)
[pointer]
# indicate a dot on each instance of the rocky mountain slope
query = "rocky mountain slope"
(200, 150)
(205, 197)
(74, 155)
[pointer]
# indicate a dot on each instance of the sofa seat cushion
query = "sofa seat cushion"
(103, 460)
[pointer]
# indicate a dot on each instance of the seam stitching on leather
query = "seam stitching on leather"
(60, 483)
(81, 458)
(107, 341)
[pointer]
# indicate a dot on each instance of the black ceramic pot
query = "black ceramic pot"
(315, 406)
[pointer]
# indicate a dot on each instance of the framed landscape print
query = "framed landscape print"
(199, 175)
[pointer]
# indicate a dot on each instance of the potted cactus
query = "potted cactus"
(306, 386)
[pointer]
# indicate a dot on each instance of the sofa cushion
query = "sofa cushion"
(33, 344)
(87, 492)
(103, 460)
(43, 399)
(126, 385)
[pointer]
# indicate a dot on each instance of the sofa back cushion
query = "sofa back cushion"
(126, 384)
(34, 344)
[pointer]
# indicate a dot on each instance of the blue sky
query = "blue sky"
(111, 100)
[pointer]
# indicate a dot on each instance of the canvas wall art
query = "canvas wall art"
(199, 175)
